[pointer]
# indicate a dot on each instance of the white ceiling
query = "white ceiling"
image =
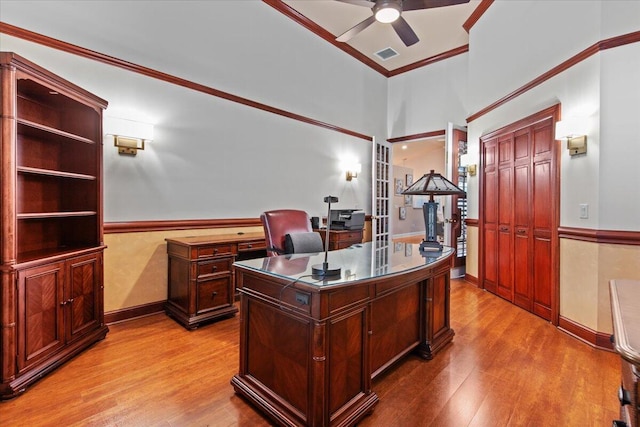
(439, 29)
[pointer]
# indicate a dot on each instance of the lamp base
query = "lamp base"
(325, 270)
(427, 246)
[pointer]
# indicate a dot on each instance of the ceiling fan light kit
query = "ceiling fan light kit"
(387, 11)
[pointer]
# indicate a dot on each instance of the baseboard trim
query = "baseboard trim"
(471, 279)
(135, 312)
(587, 335)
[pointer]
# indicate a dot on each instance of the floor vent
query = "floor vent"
(386, 53)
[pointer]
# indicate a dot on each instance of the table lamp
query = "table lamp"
(432, 184)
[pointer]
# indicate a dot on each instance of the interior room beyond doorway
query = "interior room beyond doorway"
(410, 161)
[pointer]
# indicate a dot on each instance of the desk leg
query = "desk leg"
(437, 326)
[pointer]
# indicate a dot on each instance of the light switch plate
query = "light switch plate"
(584, 211)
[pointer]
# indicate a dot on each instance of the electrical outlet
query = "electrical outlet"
(584, 211)
(302, 298)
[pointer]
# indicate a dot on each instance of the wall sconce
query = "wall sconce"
(353, 170)
(128, 135)
(573, 130)
(465, 160)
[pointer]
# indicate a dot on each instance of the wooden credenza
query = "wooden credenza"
(340, 239)
(200, 275)
(625, 311)
(309, 348)
(51, 231)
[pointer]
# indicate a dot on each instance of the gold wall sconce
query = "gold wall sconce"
(465, 161)
(128, 135)
(573, 130)
(353, 170)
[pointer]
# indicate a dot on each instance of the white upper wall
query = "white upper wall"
(619, 202)
(517, 41)
(213, 158)
(428, 98)
(508, 50)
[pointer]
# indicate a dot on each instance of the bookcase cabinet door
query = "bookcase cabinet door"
(84, 295)
(40, 313)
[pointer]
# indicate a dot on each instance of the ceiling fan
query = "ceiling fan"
(389, 12)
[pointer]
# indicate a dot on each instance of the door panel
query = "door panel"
(381, 199)
(458, 237)
(542, 277)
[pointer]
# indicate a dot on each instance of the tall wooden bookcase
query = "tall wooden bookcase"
(51, 228)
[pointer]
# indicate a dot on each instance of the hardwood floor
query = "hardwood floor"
(505, 367)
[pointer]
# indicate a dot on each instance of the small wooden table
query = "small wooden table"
(309, 347)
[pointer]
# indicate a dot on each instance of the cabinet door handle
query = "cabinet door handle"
(522, 231)
(63, 303)
(504, 228)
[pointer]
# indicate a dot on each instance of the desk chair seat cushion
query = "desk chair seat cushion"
(298, 243)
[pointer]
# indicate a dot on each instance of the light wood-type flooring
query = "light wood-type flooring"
(505, 367)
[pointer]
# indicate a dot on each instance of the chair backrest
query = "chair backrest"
(278, 223)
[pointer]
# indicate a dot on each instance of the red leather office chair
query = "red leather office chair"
(278, 223)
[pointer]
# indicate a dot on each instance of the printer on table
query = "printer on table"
(346, 219)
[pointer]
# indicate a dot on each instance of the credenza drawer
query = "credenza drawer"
(212, 294)
(215, 250)
(256, 245)
(355, 237)
(629, 391)
(216, 266)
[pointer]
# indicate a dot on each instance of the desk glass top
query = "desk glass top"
(358, 262)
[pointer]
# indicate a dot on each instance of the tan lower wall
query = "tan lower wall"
(585, 271)
(135, 266)
(472, 251)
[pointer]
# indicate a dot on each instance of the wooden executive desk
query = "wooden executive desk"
(309, 348)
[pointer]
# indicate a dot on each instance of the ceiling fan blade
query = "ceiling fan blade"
(405, 32)
(365, 3)
(429, 4)
(347, 35)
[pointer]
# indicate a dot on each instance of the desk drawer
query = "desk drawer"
(215, 250)
(216, 266)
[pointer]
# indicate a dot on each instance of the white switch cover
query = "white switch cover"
(584, 211)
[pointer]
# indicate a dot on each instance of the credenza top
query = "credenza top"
(217, 238)
(625, 311)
